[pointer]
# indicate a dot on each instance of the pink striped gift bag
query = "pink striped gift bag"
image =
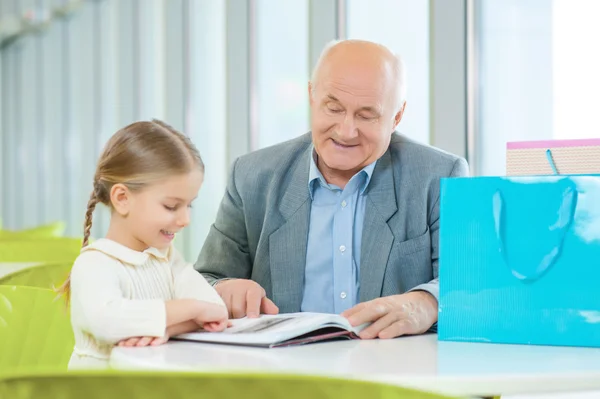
(547, 157)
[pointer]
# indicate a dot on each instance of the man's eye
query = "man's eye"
(334, 110)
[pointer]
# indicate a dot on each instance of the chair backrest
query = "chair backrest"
(47, 275)
(35, 330)
(54, 229)
(95, 385)
(39, 250)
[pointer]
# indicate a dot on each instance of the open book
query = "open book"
(272, 331)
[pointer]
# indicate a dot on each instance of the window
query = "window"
(282, 71)
(537, 74)
(67, 89)
(403, 26)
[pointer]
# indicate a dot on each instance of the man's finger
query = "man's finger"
(268, 306)
(228, 299)
(353, 310)
(253, 299)
(378, 325)
(400, 327)
(238, 305)
(370, 312)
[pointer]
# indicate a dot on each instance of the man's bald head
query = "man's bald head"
(362, 57)
(356, 101)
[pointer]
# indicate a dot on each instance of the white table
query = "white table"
(421, 362)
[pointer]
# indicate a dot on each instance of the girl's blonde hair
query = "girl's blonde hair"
(137, 155)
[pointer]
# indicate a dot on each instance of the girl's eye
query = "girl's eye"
(170, 208)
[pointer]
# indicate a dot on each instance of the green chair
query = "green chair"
(39, 250)
(97, 384)
(48, 275)
(55, 229)
(35, 330)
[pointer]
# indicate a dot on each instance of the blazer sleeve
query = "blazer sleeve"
(460, 168)
(225, 253)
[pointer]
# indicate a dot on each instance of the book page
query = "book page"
(270, 329)
(263, 324)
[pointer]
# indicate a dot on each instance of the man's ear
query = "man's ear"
(310, 93)
(120, 199)
(398, 116)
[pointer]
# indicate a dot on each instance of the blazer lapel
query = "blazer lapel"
(287, 244)
(377, 238)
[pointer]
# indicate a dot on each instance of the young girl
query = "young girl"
(132, 288)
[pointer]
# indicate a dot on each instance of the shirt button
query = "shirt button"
(343, 295)
(343, 204)
(342, 248)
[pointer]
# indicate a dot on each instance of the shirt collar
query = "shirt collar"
(315, 175)
(126, 254)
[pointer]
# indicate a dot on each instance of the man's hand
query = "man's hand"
(245, 298)
(411, 313)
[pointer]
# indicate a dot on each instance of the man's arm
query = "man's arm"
(225, 252)
(459, 169)
(416, 311)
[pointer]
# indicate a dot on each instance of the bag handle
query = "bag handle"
(551, 161)
(564, 218)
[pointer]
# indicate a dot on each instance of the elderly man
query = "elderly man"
(344, 219)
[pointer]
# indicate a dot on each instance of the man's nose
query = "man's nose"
(348, 129)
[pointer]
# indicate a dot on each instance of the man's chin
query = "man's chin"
(343, 167)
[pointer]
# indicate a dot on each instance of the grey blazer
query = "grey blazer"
(261, 229)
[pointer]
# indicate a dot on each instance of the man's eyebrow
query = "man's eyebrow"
(332, 98)
(367, 108)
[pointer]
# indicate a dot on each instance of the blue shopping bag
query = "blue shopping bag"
(519, 260)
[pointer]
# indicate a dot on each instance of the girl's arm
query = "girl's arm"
(99, 307)
(189, 283)
(182, 328)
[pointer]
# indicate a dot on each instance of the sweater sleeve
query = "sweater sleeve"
(189, 284)
(99, 307)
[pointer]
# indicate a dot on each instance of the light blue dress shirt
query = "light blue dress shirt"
(331, 276)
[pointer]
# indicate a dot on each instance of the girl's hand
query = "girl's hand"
(216, 326)
(213, 315)
(143, 341)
